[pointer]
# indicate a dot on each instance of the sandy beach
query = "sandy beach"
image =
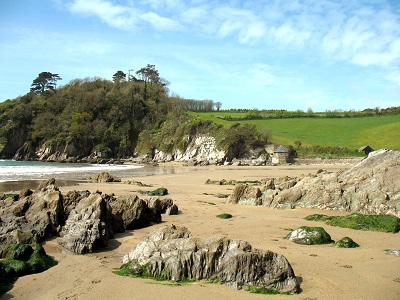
(326, 272)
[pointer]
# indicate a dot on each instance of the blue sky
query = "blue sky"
(265, 54)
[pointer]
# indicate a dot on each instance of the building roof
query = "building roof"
(364, 148)
(281, 149)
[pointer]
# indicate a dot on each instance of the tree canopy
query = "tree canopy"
(45, 81)
(119, 76)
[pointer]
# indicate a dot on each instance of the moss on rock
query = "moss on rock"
(382, 223)
(346, 242)
(310, 236)
(23, 259)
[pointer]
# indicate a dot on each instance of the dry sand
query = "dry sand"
(326, 272)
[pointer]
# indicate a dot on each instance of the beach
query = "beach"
(325, 271)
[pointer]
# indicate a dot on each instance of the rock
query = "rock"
(163, 206)
(22, 260)
(104, 177)
(372, 186)
(88, 225)
(346, 242)
(172, 253)
(395, 252)
(133, 213)
(20, 252)
(32, 218)
(172, 210)
(310, 236)
(70, 200)
(245, 194)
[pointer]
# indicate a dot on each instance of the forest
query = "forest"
(117, 117)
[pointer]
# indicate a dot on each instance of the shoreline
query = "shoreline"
(326, 272)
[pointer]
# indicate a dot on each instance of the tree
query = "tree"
(45, 81)
(149, 74)
(119, 76)
(218, 105)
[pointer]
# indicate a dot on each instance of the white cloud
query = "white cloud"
(121, 17)
(158, 22)
(361, 32)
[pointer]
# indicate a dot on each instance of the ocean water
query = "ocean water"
(11, 170)
(17, 175)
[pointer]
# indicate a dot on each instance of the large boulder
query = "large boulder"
(172, 253)
(88, 225)
(130, 212)
(31, 217)
(104, 177)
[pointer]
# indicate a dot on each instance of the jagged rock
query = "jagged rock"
(172, 253)
(245, 194)
(130, 212)
(88, 225)
(310, 236)
(163, 206)
(395, 252)
(172, 210)
(372, 186)
(31, 218)
(104, 177)
(70, 200)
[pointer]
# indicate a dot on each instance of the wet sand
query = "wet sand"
(326, 272)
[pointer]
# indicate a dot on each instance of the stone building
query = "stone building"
(282, 155)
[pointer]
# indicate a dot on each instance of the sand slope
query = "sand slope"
(326, 272)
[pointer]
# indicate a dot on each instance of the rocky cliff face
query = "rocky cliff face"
(370, 187)
(203, 151)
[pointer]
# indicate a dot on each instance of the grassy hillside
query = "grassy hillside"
(377, 132)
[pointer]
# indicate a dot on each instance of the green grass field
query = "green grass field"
(353, 133)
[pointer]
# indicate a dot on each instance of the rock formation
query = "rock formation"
(88, 225)
(133, 213)
(32, 217)
(84, 220)
(104, 177)
(370, 187)
(172, 253)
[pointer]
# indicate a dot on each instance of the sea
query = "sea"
(16, 175)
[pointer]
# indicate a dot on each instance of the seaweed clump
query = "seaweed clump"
(23, 259)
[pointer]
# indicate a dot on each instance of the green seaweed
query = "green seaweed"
(265, 291)
(23, 259)
(158, 192)
(224, 216)
(382, 223)
(209, 203)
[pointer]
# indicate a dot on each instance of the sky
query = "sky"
(263, 54)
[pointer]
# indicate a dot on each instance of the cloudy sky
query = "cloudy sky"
(265, 54)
